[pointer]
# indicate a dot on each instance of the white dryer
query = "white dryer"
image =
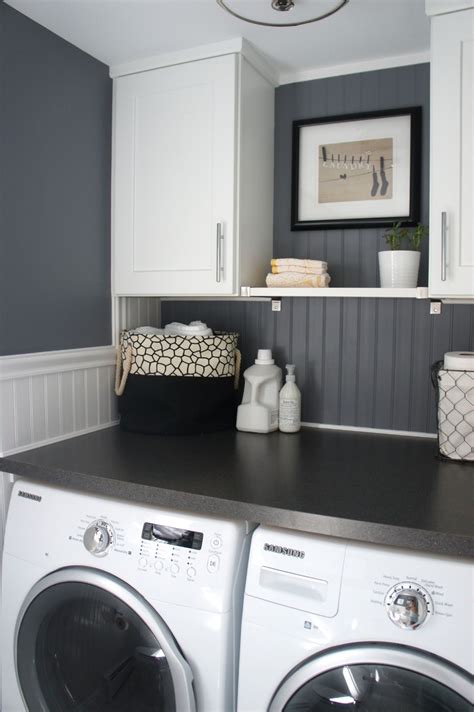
(114, 606)
(333, 625)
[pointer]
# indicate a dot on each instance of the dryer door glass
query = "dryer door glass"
(372, 688)
(81, 648)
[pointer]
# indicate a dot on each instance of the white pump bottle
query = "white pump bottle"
(290, 403)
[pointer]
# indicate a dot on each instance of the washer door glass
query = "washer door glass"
(375, 688)
(81, 648)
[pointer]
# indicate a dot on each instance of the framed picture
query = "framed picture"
(358, 170)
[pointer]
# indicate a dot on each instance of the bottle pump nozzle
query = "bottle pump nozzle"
(290, 376)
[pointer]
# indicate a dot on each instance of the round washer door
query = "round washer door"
(87, 642)
(373, 678)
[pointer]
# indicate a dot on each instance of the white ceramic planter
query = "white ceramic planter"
(399, 268)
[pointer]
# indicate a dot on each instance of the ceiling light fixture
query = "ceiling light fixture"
(301, 11)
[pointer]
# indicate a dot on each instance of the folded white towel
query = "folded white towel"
(195, 328)
(290, 262)
(293, 279)
(147, 331)
(298, 270)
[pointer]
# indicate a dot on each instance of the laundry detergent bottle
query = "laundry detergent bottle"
(258, 412)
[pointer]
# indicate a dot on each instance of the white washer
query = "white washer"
(110, 605)
(329, 624)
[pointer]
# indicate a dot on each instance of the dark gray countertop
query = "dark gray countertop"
(375, 488)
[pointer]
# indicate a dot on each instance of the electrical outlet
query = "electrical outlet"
(276, 305)
(435, 307)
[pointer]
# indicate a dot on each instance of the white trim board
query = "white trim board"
(442, 7)
(22, 365)
(240, 45)
(340, 292)
(372, 431)
(369, 65)
(50, 396)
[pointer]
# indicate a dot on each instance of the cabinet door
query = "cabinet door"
(174, 165)
(452, 146)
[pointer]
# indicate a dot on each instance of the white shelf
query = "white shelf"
(374, 292)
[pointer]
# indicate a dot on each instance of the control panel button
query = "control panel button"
(158, 565)
(216, 542)
(174, 568)
(143, 562)
(408, 605)
(213, 563)
(191, 572)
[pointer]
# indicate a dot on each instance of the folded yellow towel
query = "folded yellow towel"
(293, 279)
(298, 270)
(291, 262)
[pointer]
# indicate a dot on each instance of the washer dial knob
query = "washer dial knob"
(408, 605)
(98, 537)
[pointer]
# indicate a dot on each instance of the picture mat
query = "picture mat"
(312, 136)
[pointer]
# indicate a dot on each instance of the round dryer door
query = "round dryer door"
(375, 678)
(86, 642)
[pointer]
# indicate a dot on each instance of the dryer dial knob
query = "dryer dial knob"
(98, 537)
(408, 605)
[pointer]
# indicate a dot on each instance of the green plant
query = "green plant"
(396, 235)
(417, 235)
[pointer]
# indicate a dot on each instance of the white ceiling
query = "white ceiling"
(117, 31)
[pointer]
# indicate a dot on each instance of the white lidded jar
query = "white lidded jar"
(258, 412)
(290, 403)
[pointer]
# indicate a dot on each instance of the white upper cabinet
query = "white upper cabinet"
(452, 155)
(192, 178)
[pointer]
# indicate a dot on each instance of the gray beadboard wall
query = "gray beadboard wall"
(360, 362)
(351, 254)
(55, 158)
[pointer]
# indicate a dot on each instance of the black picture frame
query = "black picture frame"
(411, 188)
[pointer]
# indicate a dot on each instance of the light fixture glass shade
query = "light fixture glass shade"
(281, 13)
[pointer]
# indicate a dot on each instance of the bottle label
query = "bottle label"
(289, 412)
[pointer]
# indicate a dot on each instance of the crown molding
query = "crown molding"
(369, 65)
(238, 45)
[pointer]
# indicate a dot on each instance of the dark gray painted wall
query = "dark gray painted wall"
(55, 153)
(363, 362)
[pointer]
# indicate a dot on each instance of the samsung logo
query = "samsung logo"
(28, 495)
(286, 551)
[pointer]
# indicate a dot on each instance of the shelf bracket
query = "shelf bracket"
(276, 305)
(435, 307)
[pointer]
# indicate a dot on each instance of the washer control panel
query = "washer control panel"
(161, 548)
(408, 605)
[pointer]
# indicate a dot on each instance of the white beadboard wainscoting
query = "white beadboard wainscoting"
(45, 397)
(50, 396)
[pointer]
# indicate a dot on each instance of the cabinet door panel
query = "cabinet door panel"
(173, 178)
(466, 257)
(452, 130)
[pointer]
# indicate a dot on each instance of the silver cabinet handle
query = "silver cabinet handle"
(219, 242)
(443, 246)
